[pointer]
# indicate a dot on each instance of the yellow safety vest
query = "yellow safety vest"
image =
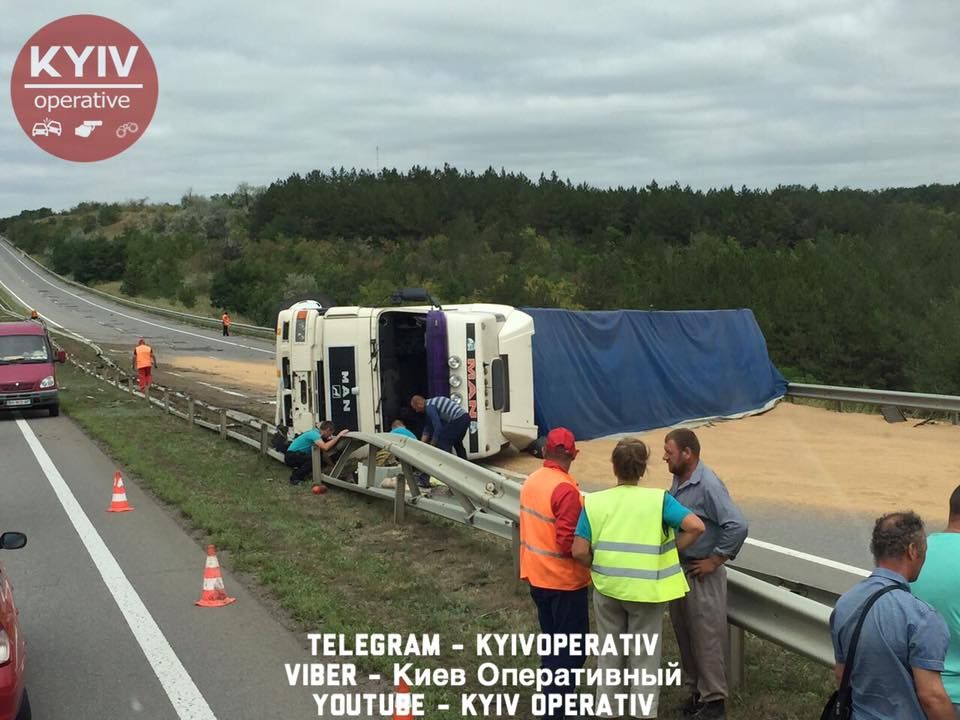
(633, 558)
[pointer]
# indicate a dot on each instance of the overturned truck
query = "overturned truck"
(519, 372)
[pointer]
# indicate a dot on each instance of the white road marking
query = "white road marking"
(184, 695)
(809, 558)
(129, 317)
(27, 305)
(228, 392)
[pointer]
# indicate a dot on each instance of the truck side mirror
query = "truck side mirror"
(61, 356)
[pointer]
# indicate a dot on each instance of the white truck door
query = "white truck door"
(348, 367)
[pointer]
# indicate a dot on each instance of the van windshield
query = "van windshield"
(23, 349)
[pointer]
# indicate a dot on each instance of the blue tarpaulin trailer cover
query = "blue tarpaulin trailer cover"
(609, 372)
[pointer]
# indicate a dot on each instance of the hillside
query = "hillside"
(850, 287)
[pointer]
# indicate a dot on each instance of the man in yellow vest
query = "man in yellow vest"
(143, 361)
(550, 506)
(225, 320)
(626, 535)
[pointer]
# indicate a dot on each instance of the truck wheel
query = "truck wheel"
(54, 410)
(25, 713)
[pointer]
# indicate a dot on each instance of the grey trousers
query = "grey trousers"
(700, 624)
(615, 617)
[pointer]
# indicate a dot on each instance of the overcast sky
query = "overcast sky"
(859, 94)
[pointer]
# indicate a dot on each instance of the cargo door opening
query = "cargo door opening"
(402, 367)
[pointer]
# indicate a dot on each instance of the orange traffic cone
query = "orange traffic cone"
(402, 703)
(119, 501)
(213, 594)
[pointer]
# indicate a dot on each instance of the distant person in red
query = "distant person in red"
(226, 323)
(144, 361)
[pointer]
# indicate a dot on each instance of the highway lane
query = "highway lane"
(84, 660)
(103, 321)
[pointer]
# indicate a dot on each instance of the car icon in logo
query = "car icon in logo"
(46, 128)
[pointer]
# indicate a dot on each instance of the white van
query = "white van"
(359, 367)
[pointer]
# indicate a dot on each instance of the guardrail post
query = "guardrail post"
(129, 384)
(956, 418)
(223, 424)
(166, 401)
(264, 439)
(146, 393)
(735, 656)
(399, 495)
(191, 411)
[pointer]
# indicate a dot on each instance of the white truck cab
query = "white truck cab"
(359, 367)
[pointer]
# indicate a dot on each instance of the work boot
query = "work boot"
(691, 706)
(713, 710)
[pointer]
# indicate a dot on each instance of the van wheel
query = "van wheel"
(24, 713)
(54, 410)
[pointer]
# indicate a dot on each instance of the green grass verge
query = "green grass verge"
(337, 563)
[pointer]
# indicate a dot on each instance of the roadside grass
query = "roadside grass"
(336, 563)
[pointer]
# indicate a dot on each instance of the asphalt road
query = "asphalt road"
(85, 660)
(841, 537)
(102, 321)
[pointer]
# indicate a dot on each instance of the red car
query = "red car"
(28, 378)
(14, 703)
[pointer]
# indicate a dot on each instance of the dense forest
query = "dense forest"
(850, 287)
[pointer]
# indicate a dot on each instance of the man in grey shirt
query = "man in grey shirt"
(899, 656)
(700, 618)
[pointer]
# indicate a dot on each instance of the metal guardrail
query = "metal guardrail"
(920, 401)
(488, 501)
(255, 330)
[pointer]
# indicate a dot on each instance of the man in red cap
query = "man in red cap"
(550, 505)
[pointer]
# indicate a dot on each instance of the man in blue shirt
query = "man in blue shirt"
(899, 657)
(447, 423)
(299, 454)
(939, 585)
(700, 617)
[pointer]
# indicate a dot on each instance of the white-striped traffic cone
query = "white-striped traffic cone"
(119, 501)
(213, 594)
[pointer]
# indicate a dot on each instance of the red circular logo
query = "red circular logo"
(84, 88)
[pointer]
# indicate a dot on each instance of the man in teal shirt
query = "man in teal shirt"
(939, 586)
(299, 454)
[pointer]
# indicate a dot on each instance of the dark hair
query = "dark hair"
(559, 454)
(630, 459)
(327, 425)
(893, 533)
(685, 439)
(955, 502)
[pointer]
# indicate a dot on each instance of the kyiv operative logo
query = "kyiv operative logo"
(84, 88)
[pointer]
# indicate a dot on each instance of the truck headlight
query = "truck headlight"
(457, 398)
(455, 381)
(453, 362)
(4, 647)
(47, 382)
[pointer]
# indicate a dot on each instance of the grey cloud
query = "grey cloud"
(756, 93)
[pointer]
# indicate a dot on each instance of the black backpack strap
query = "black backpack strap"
(852, 652)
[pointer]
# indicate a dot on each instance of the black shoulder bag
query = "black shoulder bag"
(840, 704)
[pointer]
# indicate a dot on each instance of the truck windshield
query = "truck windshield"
(23, 349)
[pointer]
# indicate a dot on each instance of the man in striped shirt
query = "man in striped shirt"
(447, 423)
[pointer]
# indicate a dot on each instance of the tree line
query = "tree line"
(850, 287)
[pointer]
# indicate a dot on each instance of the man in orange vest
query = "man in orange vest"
(550, 505)
(226, 323)
(143, 359)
